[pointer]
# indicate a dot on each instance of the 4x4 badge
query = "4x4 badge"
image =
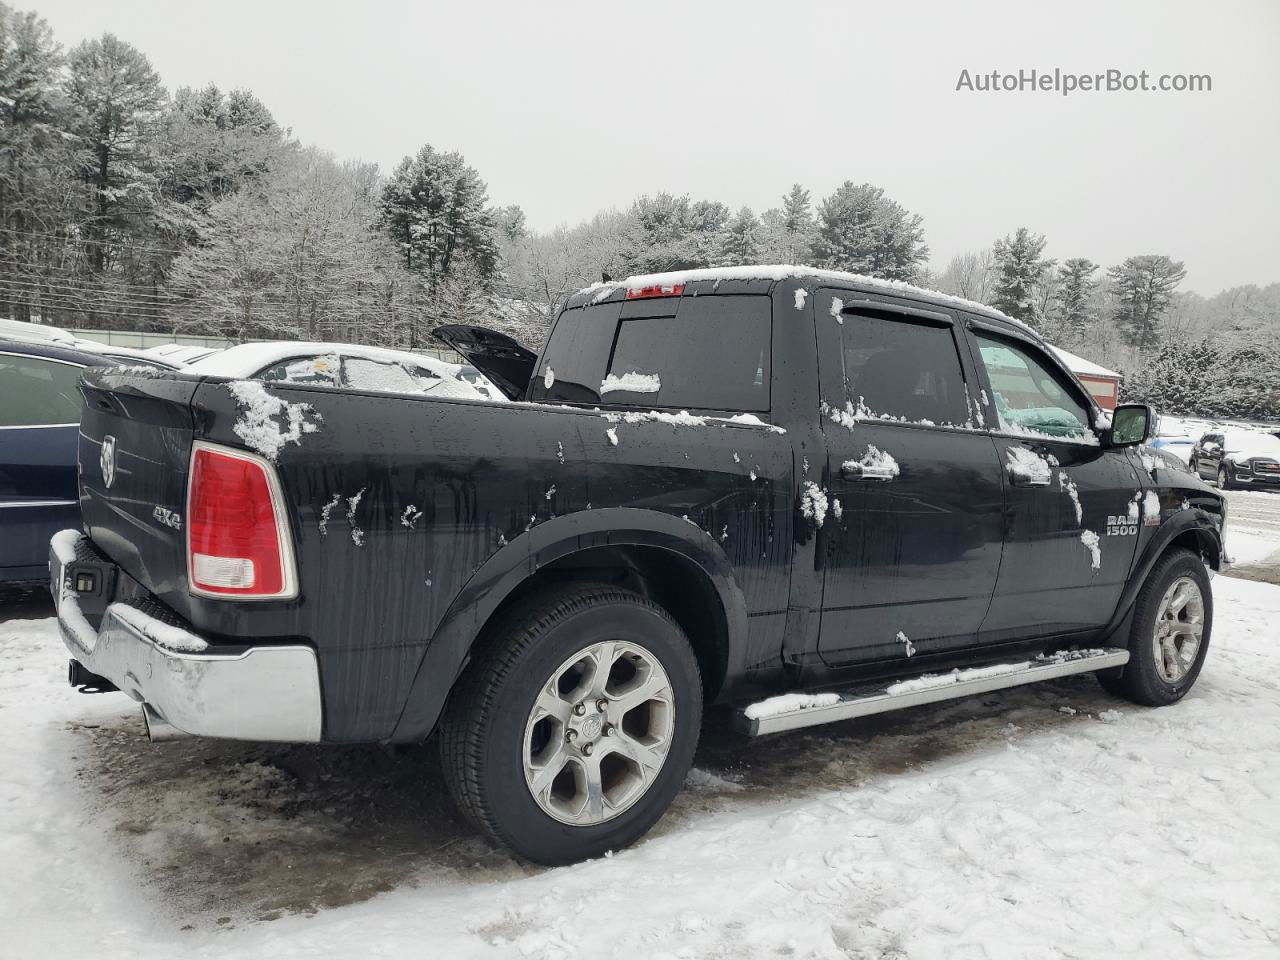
(108, 460)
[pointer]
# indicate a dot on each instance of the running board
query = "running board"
(794, 710)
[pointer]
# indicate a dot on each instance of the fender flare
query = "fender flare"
(448, 651)
(1199, 521)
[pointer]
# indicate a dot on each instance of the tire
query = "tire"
(494, 748)
(1151, 678)
(1224, 478)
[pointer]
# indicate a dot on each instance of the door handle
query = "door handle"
(1039, 480)
(860, 471)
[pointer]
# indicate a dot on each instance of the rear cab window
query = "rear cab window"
(709, 353)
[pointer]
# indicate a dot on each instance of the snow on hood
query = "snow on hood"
(783, 271)
(1246, 443)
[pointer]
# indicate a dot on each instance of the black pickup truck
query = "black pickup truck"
(806, 496)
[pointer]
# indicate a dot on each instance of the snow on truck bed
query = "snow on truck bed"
(1049, 821)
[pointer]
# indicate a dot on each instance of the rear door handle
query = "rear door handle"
(1037, 481)
(860, 471)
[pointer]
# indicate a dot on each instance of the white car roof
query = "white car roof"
(250, 359)
(35, 332)
(247, 359)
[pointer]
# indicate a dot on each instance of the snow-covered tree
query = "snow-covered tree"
(434, 208)
(740, 241)
(1075, 295)
(116, 99)
(796, 225)
(1020, 270)
(1142, 289)
(861, 230)
(969, 275)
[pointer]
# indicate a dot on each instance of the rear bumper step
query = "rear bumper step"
(187, 685)
(793, 711)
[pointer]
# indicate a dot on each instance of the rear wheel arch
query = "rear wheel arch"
(664, 558)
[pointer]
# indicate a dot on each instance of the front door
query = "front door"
(912, 537)
(1073, 509)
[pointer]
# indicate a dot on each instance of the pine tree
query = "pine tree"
(1181, 378)
(116, 97)
(797, 227)
(1074, 295)
(1020, 269)
(35, 161)
(740, 243)
(863, 231)
(1143, 289)
(434, 207)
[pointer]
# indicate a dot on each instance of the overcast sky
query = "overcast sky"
(569, 108)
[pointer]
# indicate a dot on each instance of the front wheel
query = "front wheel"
(575, 728)
(1224, 478)
(1173, 618)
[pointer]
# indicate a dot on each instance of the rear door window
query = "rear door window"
(690, 353)
(36, 392)
(898, 368)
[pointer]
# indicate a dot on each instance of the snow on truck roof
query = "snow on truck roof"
(783, 271)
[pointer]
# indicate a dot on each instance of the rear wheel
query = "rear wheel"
(574, 729)
(1173, 619)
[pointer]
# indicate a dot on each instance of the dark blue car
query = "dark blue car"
(39, 423)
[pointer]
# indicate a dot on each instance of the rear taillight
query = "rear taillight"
(656, 290)
(238, 541)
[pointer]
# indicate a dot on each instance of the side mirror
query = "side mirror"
(1130, 425)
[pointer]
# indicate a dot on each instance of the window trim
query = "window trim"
(1056, 369)
(33, 356)
(919, 317)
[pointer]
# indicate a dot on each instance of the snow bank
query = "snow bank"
(632, 382)
(260, 411)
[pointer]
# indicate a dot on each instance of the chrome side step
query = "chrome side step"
(794, 710)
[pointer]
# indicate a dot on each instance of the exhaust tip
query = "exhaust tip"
(158, 728)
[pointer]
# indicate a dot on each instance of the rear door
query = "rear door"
(1073, 510)
(912, 537)
(39, 416)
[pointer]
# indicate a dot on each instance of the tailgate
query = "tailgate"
(134, 451)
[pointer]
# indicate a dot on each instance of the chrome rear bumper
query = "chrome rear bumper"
(254, 693)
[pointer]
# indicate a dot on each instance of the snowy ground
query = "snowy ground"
(1049, 821)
